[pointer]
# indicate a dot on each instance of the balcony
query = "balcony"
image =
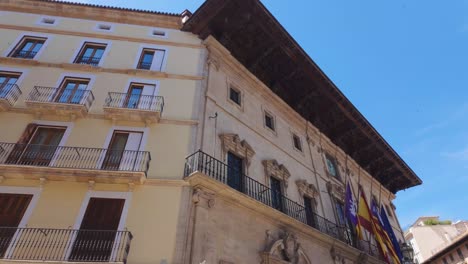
(73, 163)
(134, 107)
(23, 54)
(207, 167)
(64, 245)
(93, 61)
(60, 102)
(9, 94)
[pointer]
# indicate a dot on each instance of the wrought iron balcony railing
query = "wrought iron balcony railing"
(74, 157)
(135, 101)
(94, 61)
(10, 92)
(220, 171)
(46, 244)
(23, 54)
(144, 65)
(61, 96)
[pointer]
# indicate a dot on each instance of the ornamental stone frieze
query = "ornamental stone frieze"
(203, 198)
(306, 189)
(336, 191)
(283, 249)
(278, 171)
(232, 143)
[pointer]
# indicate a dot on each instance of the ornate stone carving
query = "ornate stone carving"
(284, 250)
(362, 258)
(203, 198)
(336, 191)
(232, 143)
(272, 168)
(306, 189)
(337, 256)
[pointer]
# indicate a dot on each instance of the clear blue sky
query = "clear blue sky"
(404, 65)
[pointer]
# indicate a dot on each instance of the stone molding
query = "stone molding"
(279, 171)
(307, 189)
(336, 191)
(232, 143)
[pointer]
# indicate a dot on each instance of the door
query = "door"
(95, 239)
(42, 146)
(72, 91)
(235, 171)
(309, 205)
(7, 80)
(276, 194)
(12, 209)
(147, 97)
(158, 60)
(133, 96)
(122, 153)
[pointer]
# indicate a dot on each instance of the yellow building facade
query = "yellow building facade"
(147, 137)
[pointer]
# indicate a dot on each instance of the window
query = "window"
(445, 261)
(276, 194)
(297, 142)
(72, 91)
(235, 95)
(159, 33)
(103, 27)
(332, 166)
(339, 208)
(269, 121)
(389, 211)
(90, 53)
(140, 96)
(28, 47)
(451, 257)
(47, 21)
(121, 150)
(460, 254)
(235, 171)
(7, 82)
(151, 59)
(310, 210)
(12, 209)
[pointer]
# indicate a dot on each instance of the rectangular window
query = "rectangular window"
(460, 254)
(451, 257)
(235, 95)
(151, 59)
(7, 82)
(140, 96)
(297, 142)
(445, 261)
(71, 91)
(91, 53)
(339, 207)
(269, 121)
(28, 47)
(276, 194)
(389, 211)
(235, 171)
(122, 150)
(332, 166)
(104, 27)
(158, 33)
(310, 210)
(47, 21)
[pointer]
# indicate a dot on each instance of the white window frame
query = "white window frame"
(144, 139)
(23, 72)
(275, 124)
(98, 25)
(36, 192)
(143, 81)
(41, 22)
(155, 47)
(301, 144)
(99, 41)
(127, 196)
(47, 37)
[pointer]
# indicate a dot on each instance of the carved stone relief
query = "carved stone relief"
(232, 143)
(283, 249)
(273, 169)
(306, 189)
(336, 191)
(203, 198)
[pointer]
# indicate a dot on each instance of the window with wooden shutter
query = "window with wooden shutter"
(21, 144)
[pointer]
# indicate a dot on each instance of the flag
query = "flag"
(351, 210)
(383, 234)
(367, 221)
(388, 228)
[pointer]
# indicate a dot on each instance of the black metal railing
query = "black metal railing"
(10, 92)
(94, 61)
(61, 96)
(144, 65)
(74, 157)
(220, 171)
(46, 244)
(135, 101)
(24, 54)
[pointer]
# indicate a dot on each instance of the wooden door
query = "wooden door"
(276, 194)
(12, 209)
(310, 211)
(95, 239)
(235, 171)
(133, 96)
(42, 146)
(72, 91)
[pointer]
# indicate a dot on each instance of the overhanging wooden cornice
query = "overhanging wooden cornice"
(245, 28)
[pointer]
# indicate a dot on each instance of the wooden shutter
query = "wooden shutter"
(18, 149)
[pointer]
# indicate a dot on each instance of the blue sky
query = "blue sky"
(404, 65)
